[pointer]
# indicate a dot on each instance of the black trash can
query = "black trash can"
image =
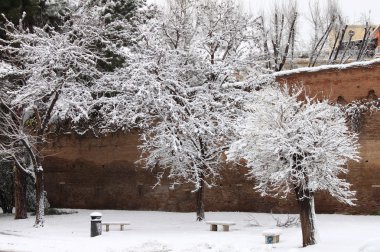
(96, 224)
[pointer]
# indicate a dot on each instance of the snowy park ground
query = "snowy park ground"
(152, 231)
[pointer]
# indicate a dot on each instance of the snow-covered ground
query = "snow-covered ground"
(166, 231)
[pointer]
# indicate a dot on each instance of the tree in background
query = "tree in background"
(38, 12)
(9, 79)
(299, 147)
(332, 40)
(279, 34)
(9, 187)
(329, 41)
(324, 22)
(115, 10)
(6, 186)
(14, 10)
(180, 24)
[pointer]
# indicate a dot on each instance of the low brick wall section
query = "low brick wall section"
(346, 83)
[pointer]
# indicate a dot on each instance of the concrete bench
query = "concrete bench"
(214, 225)
(117, 223)
(272, 235)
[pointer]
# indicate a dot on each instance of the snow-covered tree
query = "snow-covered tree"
(297, 146)
(8, 75)
(227, 37)
(190, 128)
(73, 76)
(179, 24)
(188, 99)
(177, 107)
(189, 131)
(219, 31)
(115, 10)
(59, 70)
(125, 50)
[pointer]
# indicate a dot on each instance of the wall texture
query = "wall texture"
(101, 173)
(352, 82)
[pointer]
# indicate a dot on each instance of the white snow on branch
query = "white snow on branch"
(288, 144)
(5, 69)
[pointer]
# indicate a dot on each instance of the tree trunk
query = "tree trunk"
(340, 43)
(364, 40)
(305, 201)
(20, 194)
(200, 204)
(40, 199)
(7, 187)
(333, 48)
(212, 58)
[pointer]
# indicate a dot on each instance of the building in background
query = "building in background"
(376, 36)
(357, 39)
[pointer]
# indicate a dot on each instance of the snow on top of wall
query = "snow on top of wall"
(326, 67)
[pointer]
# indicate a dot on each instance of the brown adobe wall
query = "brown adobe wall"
(88, 172)
(350, 83)
(100, 173)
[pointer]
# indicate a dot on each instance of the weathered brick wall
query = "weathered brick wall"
(88, 172)
(349, 83)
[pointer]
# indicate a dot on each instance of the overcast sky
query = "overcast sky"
(352, 9)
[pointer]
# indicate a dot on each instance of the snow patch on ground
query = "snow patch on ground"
(152, 231)
(150, 246)
(371, 246)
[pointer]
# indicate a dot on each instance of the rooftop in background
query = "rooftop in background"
(357, 39)
(358, 30)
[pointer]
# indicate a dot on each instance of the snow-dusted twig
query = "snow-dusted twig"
(252, 221)
(290, 221)
(357, 109)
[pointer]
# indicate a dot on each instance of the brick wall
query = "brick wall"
(353, 82)
(100, 173)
